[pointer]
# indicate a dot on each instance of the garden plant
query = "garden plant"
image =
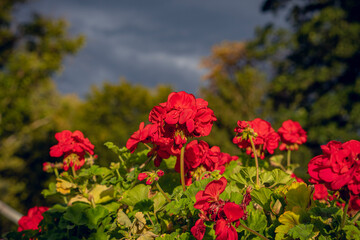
(176, 186)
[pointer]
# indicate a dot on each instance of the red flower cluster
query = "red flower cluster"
(292, 135)
(73, 146)
(264, 137)
(199, 157)
(223, 213)
(172, 123)
(32, 219)
(338, 166)
(150, 176)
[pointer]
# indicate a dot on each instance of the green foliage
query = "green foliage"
(30, 54)
(113, 112)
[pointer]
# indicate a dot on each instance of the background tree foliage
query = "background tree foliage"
(316, 78)
(30, 53)
(112, 113)
(235, 90)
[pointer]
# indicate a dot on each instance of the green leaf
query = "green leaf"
(50, 191)
(123, 219)
(101, 193)
(256, 220)
(94, 215)
(136, 194)
(288, 220)
(144, 205)
(302, 231)
(262, 197)
(281, 177)
(246, 176)
(298, 196)
(159, 201)
(75, 213)
(352, 232)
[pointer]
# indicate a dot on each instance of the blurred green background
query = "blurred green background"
(307, 72)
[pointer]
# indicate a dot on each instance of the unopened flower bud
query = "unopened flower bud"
(160, 173)
(142, 176)
(149, 181)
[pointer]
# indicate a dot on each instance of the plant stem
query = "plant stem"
(162, 191)
(356, 217)
(182, 167)
(73, 171)
(288, 158)
(253, 232)
(148, 215)
(56, 172)
(343, 220)
(256, 161)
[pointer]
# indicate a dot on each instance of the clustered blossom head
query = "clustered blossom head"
(338, 166)
(32, 219)
(199, 158)
(223, 213)
(150, 176)
(73, 147)
(172, 123)
(263, 135)
(292, 135)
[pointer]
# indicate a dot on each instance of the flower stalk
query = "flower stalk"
(256, 160)
(253, 232)
(182, 170)
(162, 192)
(343, 220)
(288, 158)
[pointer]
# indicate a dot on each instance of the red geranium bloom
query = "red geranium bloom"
(292, 135)
(172, 123)
(338, 166)
(320, 192)
(223, 213)
(296, 177)
(224, 230)
(210, 194)
(264, 136)
(32, 219)
(199, 157)
(73, 147)
(198, 230)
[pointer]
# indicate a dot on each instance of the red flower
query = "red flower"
(264, 136)
(142, 176)
(140, 135)
(199, 157)
(296, 178)
(73, 147)
(160, 173)
(292, 135)
(223, 227)
(32, 219)
(338, 166)
(223, 213)
(320, 192)
(198, 230)
(210, 194)
(172, 123)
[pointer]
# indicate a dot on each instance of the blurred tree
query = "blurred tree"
(316, 64)
(235, 91)
(113, 113)
(30, 53)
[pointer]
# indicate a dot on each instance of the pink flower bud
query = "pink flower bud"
(149, 181)
(142, 176)
(160, 173)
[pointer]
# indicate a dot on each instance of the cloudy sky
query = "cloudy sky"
(148, 42)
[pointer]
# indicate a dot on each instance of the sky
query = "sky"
(147, 42)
